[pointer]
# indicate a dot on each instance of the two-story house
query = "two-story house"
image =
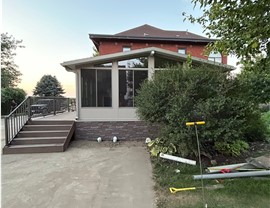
(106, 84)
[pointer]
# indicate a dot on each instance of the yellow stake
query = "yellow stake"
(195, 123)
(174, 190)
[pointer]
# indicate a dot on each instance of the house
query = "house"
(106, 84)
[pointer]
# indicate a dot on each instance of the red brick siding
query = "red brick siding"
(116, 46)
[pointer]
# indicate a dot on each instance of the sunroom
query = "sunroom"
(106, 85)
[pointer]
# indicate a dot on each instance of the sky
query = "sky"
(54, 31)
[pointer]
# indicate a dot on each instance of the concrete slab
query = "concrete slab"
(88, 174)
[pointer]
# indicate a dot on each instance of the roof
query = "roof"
(148, 32)
(102, 59)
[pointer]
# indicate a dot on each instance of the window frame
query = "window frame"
(96, 86)
(185, 49)
(126, 47)
(133, 81)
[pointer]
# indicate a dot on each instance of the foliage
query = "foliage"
(241, 192)
(48, 86)
(9, 70)
(96, 52)
(235, 148)
(180, 95)
(242, 27)
(9, 94)
(158, 146)
(255, 79)
(266, 120)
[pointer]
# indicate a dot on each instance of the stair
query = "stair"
(42, 136)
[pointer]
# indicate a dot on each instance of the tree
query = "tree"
(242, 27)
(9, 94)
(180, 95)
(48, 86)
(255, 80)
(96, 52)
(10, 75)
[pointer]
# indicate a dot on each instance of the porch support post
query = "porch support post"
(115, 85)
(151, 67)
(78, 93)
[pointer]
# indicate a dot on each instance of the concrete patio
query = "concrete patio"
(88, 174)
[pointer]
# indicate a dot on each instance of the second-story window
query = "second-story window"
(215, 56)
(126, 48)
(182, 50)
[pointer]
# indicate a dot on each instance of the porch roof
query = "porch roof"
(102, 59)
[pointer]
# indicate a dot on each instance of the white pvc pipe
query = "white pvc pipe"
(233, 175)
(177, 159)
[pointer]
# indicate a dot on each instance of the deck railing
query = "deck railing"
(16, 120)
(34, 107)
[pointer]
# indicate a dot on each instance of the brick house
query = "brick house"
(106, 84)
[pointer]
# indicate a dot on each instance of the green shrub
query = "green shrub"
(180, 95)
(234, 148)
(9, 94)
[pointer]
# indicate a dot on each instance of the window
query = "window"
(161, 62)
(215, 56)
(129, 82)
(141, 62)
(182, 50)
(126, 48)
(96, 88)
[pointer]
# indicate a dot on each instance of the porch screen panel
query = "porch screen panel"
(139, 77)
(96, 88)
(104, 88)
(129, 82)
(88, 87)
(125, 88)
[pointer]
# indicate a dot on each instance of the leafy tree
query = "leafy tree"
(96, 52)
(242, 27)
(48, 86)
(179, 95)
(255, 80)
(9, 94)
(10, 75)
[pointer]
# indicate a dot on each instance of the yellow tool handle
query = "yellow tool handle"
(174, 190)
(195, 123)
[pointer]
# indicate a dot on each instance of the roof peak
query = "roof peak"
(147, 30)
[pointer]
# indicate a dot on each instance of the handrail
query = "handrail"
(16, 120)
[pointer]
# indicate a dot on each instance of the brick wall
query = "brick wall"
(124, 130)
(117, 46)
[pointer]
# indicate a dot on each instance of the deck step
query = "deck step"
(50, 122)
(45, 127)
(34, 148)
(38, 140)
(60, 133)
(41, 137)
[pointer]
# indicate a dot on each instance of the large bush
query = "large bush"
(179, 95)
(9, 94)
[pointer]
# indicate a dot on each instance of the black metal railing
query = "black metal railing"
(34, 107)
(16, 120)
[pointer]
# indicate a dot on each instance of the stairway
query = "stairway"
(42, 136)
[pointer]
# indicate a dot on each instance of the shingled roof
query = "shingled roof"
(150, 31)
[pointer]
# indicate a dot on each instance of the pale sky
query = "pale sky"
(54, 31)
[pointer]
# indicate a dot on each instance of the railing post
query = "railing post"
(29, 107)
(6, 130)
(54, 105)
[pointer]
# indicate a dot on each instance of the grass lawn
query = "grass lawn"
(251, 192)
(238, 192)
